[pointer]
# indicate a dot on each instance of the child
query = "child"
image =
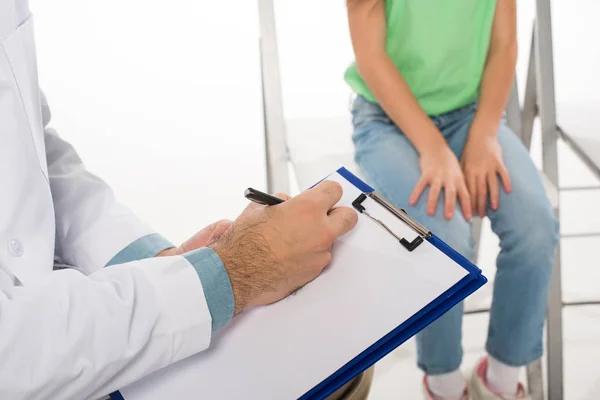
(432, 79)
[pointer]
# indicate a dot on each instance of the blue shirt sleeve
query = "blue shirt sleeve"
(208, 265)
(216, 284)
(145, 247)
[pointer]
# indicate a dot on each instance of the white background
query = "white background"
(163, 100)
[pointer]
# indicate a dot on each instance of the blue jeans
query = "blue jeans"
(524, 222)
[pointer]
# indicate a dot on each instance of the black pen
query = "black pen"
(262, 198)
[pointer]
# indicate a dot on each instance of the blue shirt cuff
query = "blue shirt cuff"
(145, 247)
(216, 284)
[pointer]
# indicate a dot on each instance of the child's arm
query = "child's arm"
(368, 31)
(499, 70)
(482, 157)
(439, 167)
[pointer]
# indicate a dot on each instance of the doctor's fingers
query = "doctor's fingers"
(342, 220)
(205, 237)
(323, 196)
(218, 229)
(282, 196)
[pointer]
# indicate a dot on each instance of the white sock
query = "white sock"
(502, 378)
(450, 386)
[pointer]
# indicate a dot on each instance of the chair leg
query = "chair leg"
(476, 229)
(547, 112)
(535, 381)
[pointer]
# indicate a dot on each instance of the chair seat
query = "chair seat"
(580, 125)
(320, 146)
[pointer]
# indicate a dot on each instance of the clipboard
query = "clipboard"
(454, 295)
(384, 225)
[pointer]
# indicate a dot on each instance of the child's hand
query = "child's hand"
(482, 164)
(440, 170)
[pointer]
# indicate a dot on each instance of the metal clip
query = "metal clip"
(400, 213)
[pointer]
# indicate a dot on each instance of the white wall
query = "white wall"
(162, 99)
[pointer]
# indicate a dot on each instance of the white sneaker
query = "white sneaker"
(480, 390)
(428, 395)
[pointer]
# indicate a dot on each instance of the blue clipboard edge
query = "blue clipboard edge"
(395, 338)
(466, 286)
(355, 180)
(116, 396)
(470, 283)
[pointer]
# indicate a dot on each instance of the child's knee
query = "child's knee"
(531, 236)
(456, 233)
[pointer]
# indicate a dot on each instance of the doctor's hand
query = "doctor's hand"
(203, 238)
(270, 252)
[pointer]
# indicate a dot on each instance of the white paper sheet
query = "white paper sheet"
(283, 350)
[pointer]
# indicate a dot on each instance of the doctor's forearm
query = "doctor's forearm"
(207, 264)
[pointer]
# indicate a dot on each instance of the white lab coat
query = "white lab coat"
(81, 332)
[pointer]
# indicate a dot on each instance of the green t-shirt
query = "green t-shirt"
(439, 47)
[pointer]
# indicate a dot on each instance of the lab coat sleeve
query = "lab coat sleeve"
(209, 267)
(76, 336)
(91, 226)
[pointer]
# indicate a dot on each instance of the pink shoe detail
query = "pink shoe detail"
(481, 374)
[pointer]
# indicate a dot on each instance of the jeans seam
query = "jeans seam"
(438, 370)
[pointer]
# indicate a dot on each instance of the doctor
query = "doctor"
(83, 331)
